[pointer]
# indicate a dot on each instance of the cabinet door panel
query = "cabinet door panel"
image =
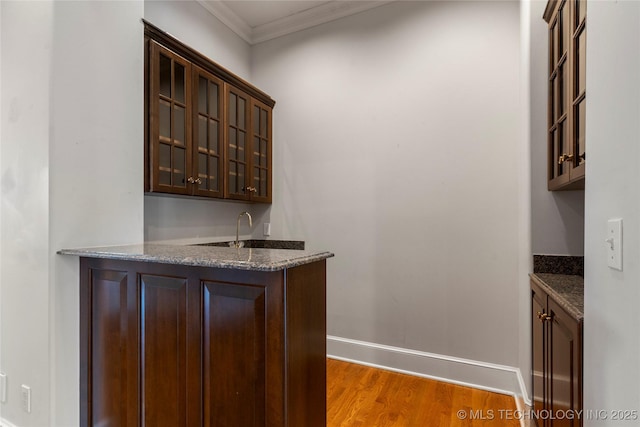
(207, 96)
(564, 367)
(236, 137)
(170, 328)
(234, 355)
(170, 121)
(108, 350)
(260, 147)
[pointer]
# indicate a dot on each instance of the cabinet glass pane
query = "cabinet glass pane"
(233, 187)
(264, 124)
(179, 85)
(263, 153)
(213, 136)
(556, 154)
(202, 164)
(213, 99)
(256, 119)
(241, 155)
(565, 28)
(202, 95)
(241, 111)
(581, 11)
(256, 151)
(232, 109)
(581, 61)
(554, 45)
(232, 144)
(179, 166)
(179, 124)
(164, 163)
(202, 132)
(165, 76)
(263, 182)
(165, 119)
(552, 99)
(580, 131)
(560, 91)
(213, 173)
(240, 176)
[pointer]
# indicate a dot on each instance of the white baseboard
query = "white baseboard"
(486, 376)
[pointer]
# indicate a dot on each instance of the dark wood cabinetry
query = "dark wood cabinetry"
(567, 93)
(208, 132)
(556, 362)
(193, 346)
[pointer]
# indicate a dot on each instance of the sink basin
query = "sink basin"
(262, 244)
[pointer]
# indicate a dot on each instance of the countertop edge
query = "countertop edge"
(199, 262)
(569, 307)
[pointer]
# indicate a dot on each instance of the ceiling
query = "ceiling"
(261, 20)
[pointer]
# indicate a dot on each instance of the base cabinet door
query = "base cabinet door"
(234, 355)
(565, 360)
(556, 363)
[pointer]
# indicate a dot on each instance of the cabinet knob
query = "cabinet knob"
(191, 180)
(198, 181)
(251, 189)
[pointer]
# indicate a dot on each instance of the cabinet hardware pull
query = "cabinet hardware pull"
(564, 157)
(198, 181)
(191, 180)
(544, 316)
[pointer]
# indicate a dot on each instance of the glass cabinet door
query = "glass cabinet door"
(260, 187)
(559, 147)
(236, 136)
(170, 121)
(208, 92)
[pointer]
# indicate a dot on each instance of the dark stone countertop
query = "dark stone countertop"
(567, 290)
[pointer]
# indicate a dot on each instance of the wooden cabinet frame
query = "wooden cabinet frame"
(566, 94)
(191, 346)
(197, 182)
(556, 367)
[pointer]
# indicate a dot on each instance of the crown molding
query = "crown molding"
(229, 18)
(321, 14)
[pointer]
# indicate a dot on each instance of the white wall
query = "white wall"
(71, 155)
(24, 267)
(612, 318)
(557, 216)
(398, 148)
(183, 219)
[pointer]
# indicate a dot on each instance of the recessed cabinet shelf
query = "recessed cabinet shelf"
(208, 132)
(567, 94)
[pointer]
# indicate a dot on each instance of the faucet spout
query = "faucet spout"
(237, 242)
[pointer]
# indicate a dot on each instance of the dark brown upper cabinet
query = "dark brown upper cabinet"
(208, 132)
(567, 93)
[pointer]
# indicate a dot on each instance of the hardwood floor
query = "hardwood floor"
(360, 396)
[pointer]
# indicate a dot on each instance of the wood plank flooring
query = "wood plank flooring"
(360, 396)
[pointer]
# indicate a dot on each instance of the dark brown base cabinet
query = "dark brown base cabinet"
(556, 363)
(175, 345)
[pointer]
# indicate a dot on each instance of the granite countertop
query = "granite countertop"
(205, 256)
(567, 290)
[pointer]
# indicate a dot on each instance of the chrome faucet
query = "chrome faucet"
(237, 242)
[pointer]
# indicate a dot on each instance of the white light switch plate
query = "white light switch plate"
(614, 243)
(267, 229)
